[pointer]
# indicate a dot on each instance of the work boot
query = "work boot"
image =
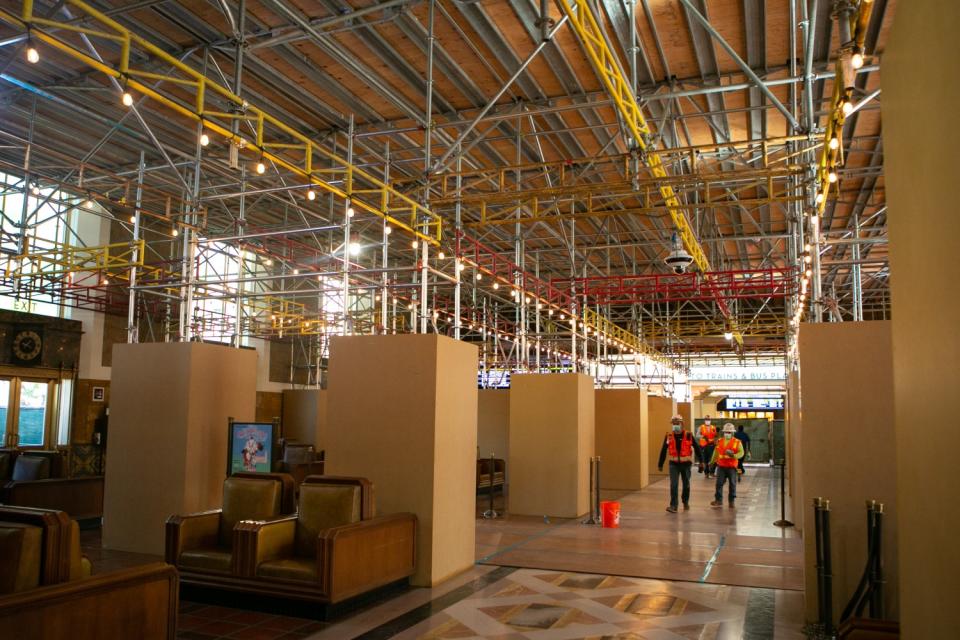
(716, 503)
(671, 509)
(686, 506)
(730, 504)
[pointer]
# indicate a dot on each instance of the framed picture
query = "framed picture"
(250, 447)
(98, 394)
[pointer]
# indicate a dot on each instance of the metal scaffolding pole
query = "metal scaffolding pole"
(385, 247)
(132, 298)
(347, 215)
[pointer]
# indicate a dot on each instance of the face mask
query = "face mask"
(727, 436)
(676, 428)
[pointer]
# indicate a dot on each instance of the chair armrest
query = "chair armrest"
(358, 557)
(191, 531)
(80, 497)
(256, 541)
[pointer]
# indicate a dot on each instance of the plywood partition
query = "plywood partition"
(848, 447)
(493, 423)
(168, 434)
(402, 411)
(622, 438)
(920, 153)
(659, 412)
(551, 442)
(685, 409)
(305, 415)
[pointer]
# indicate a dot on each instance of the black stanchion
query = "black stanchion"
(491, 513)
(876, 578)
(596, 484)
(594, 515)
(783, 522)
(818, 543)
(827, 570)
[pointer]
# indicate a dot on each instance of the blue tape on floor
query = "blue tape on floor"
(713, 560)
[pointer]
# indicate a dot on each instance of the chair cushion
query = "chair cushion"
(304, 569)
(20, 556)
(28, 468)
(247, 499)
(323, 506)
(206, 559)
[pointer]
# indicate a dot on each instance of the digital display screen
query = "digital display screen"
(753, 404)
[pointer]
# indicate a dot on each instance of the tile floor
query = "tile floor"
(710, 574)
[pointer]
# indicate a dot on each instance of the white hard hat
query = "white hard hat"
(677, 417)
(729, 428)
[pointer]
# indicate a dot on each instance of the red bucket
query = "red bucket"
(610, 514)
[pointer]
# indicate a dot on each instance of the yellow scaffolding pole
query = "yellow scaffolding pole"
(598, 50)
(419, 220)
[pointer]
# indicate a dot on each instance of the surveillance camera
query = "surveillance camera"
(679, 268)
(678, 260)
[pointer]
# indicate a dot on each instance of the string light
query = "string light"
(33, 56)
(441, 255)
(496, 285)
(311, 195)
(354, 248)
(479, 276)
(834, 143)
(847, 107)
(414, 244)
(133, 219)
(204, 139)
(387, 230)
(820, 198)
(857, 60)
(349, 212)
(174, 232)
(832, 177)
(261, 167)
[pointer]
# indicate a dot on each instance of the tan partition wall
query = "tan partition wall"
(622, 438)
(685, 409)
(305, 415)
(659, 412)
(493, 423)
(920, 152)
(796, 506)
(848, 448)
(168, 434)
(402, 411)
(551, 442)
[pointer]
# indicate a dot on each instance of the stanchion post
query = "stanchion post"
(491, 513)
(876, 577)
(783, 522)
(596, 485)
(593, 514)
(818, 542)
(827, 571)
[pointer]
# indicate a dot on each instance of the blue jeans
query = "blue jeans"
(679, 470)
(724, 474)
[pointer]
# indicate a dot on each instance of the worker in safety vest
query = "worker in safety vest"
(682, 448)
(708, 438)
(726, 455)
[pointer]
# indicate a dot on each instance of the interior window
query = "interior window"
(4, 405)
(33, 412)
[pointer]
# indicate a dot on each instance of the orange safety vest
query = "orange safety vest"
(708, 434)
(686, 447)
(724, 445)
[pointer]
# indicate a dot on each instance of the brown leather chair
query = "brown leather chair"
(60, 557)
(201, 545)
(21, 551)
(328, 552)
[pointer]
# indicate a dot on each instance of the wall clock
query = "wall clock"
(27, 345)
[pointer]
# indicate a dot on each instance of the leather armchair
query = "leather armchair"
(328, 552)
(60, 559)
(202, 544)
(20, 556)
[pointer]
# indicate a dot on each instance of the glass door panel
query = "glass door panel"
(4, 406)
(33, 412)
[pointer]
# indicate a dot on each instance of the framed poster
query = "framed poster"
(250, 447)
(98, 393)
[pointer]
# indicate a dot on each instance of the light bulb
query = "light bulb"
(550, 312)
(857, 60)
(539, 305)
(174, 232)
(496, 285)
(819, 198)
(809, 272)
(832, 177)
(105, 281)
(387, 230)
(834, 143)
(461, 266)
(526, 300)
(354, 248)
(847, 107)
(133, 219)
(126, 99)
(311, 194)
(807, 247)
(414, 244)
(479, 276)
(808, 259)
(88, 204)
(349, 212)
(35, 190)
(441, 255)
(33, 56)
(296, 272)
(261, 168)
(268, 262)
(204, 139)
